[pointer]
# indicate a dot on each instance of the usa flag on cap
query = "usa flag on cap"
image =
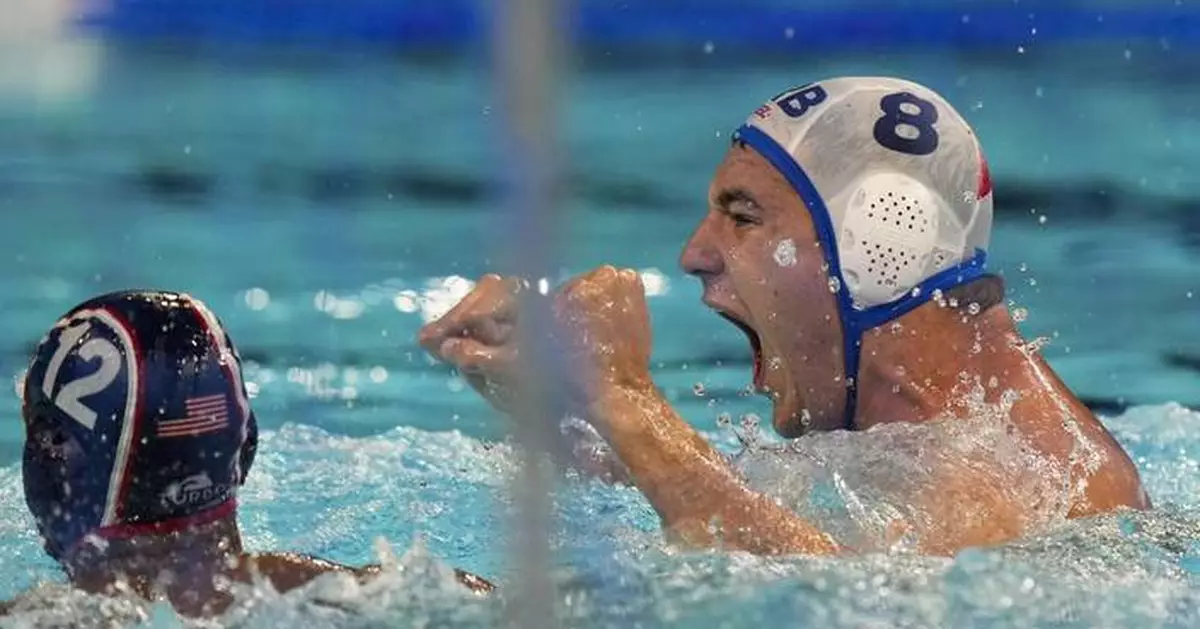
(204, 414)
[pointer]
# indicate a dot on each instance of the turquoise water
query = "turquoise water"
(326, 203)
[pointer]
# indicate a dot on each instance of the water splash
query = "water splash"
(866, 488)
(785, 253)
(441, 488)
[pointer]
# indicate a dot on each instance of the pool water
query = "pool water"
(325, 204)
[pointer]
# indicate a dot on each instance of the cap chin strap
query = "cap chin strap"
(855, 321)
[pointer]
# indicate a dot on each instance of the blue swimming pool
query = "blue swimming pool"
(325, 203)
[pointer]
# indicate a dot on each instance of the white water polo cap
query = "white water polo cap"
(897, 186)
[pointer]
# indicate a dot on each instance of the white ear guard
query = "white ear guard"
(892, 237)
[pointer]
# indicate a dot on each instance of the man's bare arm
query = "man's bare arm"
(583, 449)
(290, 570)
(701, 501)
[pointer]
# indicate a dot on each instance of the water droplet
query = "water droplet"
(895, 388)
(1020, 50)
(775, 363)
(1042, 219)
(973, 308)
(724, 420)
(789, 32)
(1032, 282)
(750, 420)
(1023, 268)
(834, 285)
(1189, 294)
(698, 389)
(1037, 344)
(785, 253)
(1128, 54)
(1020, 314)
(1039, 92)
(993, 382)
(901, 371)
(916, 292)
(709, 47)
(896, 328)
(187, 149)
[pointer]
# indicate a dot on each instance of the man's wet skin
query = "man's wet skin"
(194, 569)
(765, 266)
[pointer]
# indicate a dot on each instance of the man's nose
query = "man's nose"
(700, 255)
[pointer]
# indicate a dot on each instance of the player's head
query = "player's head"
(137, 421)
(842, 205)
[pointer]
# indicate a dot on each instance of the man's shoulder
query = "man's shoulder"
(288, 570)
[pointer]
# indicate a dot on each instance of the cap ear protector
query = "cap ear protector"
(50, 449)
(897, 188)
(889, 237)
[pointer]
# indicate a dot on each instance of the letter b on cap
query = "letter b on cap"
(796, 103)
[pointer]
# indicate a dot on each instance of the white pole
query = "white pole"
(529, 52)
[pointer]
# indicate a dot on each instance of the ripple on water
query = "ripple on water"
(444, 497)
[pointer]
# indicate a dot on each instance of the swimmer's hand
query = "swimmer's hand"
(602, 328)
(602, 331)
(604, 325)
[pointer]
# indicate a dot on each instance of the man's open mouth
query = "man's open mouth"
(755, 346)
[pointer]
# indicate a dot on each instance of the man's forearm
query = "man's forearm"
(581, 447)
(689, 484)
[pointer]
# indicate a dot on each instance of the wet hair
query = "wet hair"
(987, 291)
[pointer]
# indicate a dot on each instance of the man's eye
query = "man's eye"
(744, 219)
